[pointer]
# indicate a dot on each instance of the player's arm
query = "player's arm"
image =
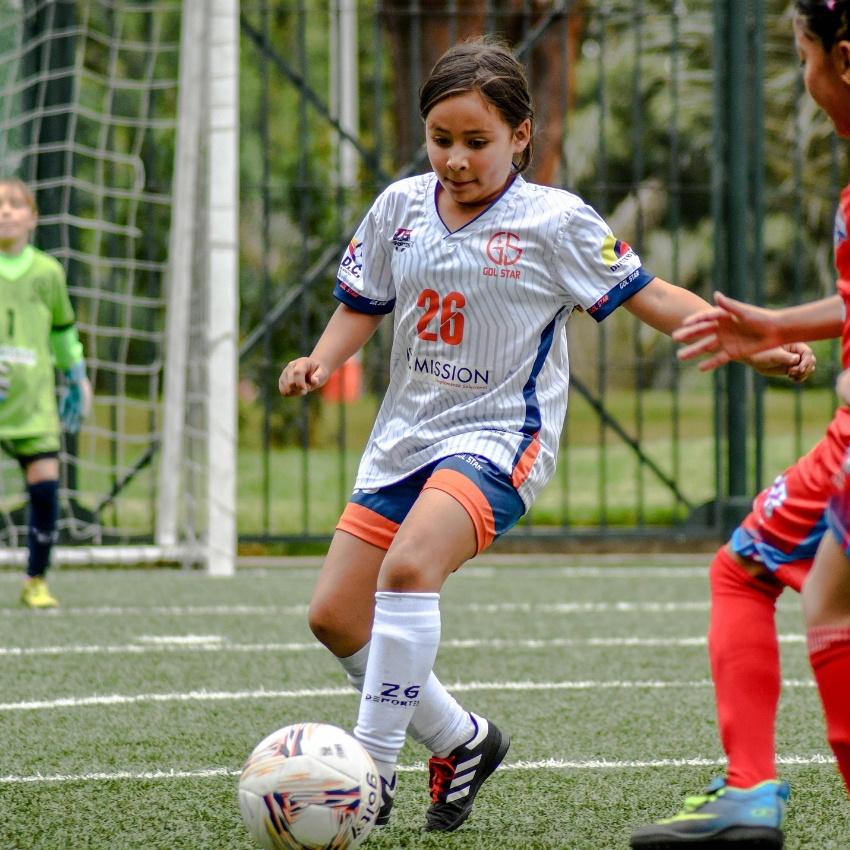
(734, 329)
(67, 351)
(665, 307)
(347, 332)
(76, 396)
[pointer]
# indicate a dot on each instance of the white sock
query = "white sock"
(439, 722)
(355, 666)
(405, 639)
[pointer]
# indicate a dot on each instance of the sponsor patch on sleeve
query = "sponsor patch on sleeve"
(352, 298)
(624, 290)
(352, 261)
(616, 253)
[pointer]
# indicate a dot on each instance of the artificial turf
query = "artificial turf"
(200, 707)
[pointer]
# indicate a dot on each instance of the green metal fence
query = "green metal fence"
(684, 123)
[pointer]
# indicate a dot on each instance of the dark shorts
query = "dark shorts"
(789, 519)
(481, 487)
(26, 450)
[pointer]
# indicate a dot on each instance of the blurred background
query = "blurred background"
(684, 122)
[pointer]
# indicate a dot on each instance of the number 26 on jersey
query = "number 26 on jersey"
(451, 321)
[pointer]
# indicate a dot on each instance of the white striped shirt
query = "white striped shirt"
(479, 359)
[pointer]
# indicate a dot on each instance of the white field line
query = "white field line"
(511, 567)
(304, 693)
(471, 608)
(175, 611)
(624, 572)
(217, 644)
(576, 607)
(185, 640)
(419, 767)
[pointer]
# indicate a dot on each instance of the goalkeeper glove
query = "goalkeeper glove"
(5, 383)
(74, 402)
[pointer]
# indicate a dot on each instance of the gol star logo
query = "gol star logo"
(503, 249)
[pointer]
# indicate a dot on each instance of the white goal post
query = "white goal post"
(206, 176)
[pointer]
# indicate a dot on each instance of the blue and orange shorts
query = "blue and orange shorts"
(789, 519)
(480, 486)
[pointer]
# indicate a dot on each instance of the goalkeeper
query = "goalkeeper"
(36, 331)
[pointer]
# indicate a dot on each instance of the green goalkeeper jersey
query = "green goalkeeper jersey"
(33, 303)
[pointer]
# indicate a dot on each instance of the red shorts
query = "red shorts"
(788, 519)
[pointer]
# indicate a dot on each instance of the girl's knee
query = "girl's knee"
(402, 571)
(343, 629)
(816, 609)
(325, 622)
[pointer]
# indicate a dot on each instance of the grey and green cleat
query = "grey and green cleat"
(723, 817)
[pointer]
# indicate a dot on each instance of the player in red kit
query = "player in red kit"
(775, 545)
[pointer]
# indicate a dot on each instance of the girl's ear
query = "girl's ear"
(522, 134)
(842, 49)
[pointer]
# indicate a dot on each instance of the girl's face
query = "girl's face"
(471, 148)
(827, 76)
(17, 217)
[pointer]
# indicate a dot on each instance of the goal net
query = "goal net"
(116, 113)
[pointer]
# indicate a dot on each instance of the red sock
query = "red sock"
(829, 651)
(744, 655)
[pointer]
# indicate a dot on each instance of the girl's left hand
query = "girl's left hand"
(75, 403)
(842, 387)
(795, 361)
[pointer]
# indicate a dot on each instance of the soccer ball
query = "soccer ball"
(309, 786)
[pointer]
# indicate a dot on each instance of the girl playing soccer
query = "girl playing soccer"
(775, 545)
(482, 271)
(37, 331)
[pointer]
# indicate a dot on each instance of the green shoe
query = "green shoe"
(36, 595)
(739, 817)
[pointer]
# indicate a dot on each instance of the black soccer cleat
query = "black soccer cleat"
(387, 799)
(455, 780)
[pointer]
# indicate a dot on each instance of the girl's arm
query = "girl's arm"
(665, 307)
(347, 332)
(733, 330)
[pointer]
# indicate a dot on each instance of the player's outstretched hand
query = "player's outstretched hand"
(731, 331)
(5, 383)
(301, 376)
(842, 387)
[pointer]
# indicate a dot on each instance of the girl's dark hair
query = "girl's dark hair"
(489, 68)
(826, 20)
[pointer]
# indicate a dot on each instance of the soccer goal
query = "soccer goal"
(123, 117)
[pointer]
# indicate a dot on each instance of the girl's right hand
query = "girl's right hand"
(731, 331)
(301, 376)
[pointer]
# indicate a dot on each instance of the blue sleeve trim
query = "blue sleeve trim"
(345, 294)
(624, 290)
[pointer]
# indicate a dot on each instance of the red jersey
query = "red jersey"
(842, 265)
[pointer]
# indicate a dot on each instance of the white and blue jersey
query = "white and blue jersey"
(479, 360)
